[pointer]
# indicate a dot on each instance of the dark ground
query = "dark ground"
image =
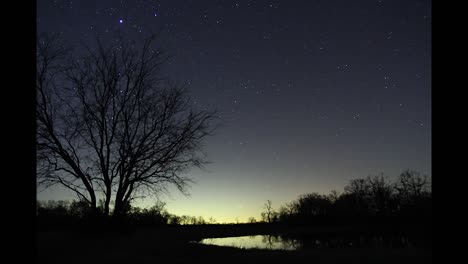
(172, 245)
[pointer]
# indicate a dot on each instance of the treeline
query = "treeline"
(408, 199)
(375, 199)
(63, 214)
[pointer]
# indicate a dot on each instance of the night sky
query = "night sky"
(310, 93)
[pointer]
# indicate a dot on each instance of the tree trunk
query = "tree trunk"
(107, 202)
(93, 217)
(119, 205)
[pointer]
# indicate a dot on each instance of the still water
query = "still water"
(258, 241)
(307, 242)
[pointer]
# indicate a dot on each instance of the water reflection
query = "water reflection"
(259, 241)
(287, 242)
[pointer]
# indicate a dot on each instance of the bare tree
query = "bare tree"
(411, 185)
(359, 191)
(381, 191)
(268, 214)
(109, 126)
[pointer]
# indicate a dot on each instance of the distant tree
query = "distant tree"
(201, 221)
(312, 204)
(356, 198)
(274, 217)
(409, 198)
(79, 209)
(175, 220)
(267, 215)
(411, 185)
(54, 214)
(54, 208)
(414, 194)
(192, 220)
(184, 220)
(359, 188)
(155, 215)
(333, 196)
(252, 220)
(381, 190)
(285, 212)
(109, 126)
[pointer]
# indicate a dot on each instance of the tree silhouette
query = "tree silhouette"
(413, 193)
(109, 126)
(252, 220)
(382, 193)
(365, 200)
(267, 215)
(411, 185)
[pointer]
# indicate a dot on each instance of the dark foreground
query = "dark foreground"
(174, 245)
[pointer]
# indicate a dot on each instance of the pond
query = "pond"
(258, 241)
(276, 242)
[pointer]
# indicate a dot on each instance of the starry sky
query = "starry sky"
(310, 93)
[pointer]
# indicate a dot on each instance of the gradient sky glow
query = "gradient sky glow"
(311, 93)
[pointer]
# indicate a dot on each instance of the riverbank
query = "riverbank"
(173, 244)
